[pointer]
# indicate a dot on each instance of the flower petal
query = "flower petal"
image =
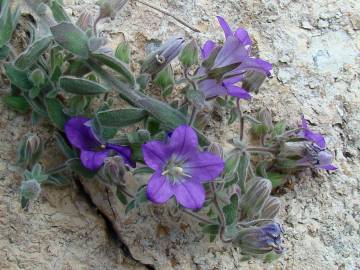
(184, 141)
(204, 166)
(211, 88)
(252, 64)
(207, 49)
(156, 154)
(80, 135)
(93, 160)
(190, 194)
(238, 92)
(329, 167)
(243, 36)
(225, 26)
(159, 190)
(232, 52)
(124, 152)
(315, 137)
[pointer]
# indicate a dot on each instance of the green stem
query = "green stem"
(253, 222)
(57, 169)
(241, 119)
(193, 116)
(259, 149)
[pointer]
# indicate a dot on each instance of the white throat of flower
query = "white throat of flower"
(175, 172)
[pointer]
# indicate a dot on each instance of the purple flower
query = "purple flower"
(180, 168)
(235, 55)
(261, 240)
(92, 151)
(316, 153)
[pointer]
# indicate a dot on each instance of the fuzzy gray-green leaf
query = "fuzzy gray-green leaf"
(32, 54)
(120, 118)
(71, 38)
(81, 86)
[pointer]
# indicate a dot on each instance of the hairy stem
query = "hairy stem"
(241, 119)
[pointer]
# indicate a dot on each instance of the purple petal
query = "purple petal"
(93, 160)
(225, 26)
(232, 80)
(315, 137)
(243, 36)
(232, 52)
(190, 194)
(80, 135)
(123, 151)
(238, 92)
(304, 123)
(159, 190)
(211, 88)
(184, 141)
(207, 49)
(252, 64)
(204, 166)
(328, 167)
(156, 154)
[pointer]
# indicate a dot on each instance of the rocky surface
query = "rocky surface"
(314, 46)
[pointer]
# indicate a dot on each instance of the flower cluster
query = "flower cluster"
(227, 65)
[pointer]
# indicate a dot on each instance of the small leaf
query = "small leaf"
(7, 25)
(34, 92)
(64, 146)
(32, 54)
(165, 79)
(55, 111)
(242, 170)
(4, 52)
(58, 12)
(81, 86)
(120, 118)
(123, 52)
(279, 128)
(277, 179)
(57, 180)
(121, 196)
(142, 170)
(18, 77)
(190, 54)
(234, 115)
(17, 103)
(231, 210)
(76, 166)
(211, 229)
(231, 164)
(71, 38)
(116, 65)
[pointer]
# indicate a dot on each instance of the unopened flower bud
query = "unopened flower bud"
(30, 189)
(253, 200)
(144, 135)
(265, 117)
(260, 240)
(85, 21)
(109, 8)
(159, 59)
(216, 149)
(271, 208)
(29, 150)
(37, 77)
(190, 54)
(113, 171)
(303, 154)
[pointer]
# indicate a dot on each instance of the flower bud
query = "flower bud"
(37, 77)
(109, 8)
(85, 21)
(265, 117)
(159, 59)
(216, 149)
(190, 54)
(30, 189)
(260, 240)
(29, 150)
(271, 208)
(302, 154)
(113, 171)
(253, 200)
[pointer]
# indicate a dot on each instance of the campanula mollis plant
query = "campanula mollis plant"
(69, 77)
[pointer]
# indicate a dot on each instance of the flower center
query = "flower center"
(174, 173)
(102, 146)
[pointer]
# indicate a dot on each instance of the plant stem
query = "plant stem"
(241, 119)
(126, 192)
(170, 15)
(57, 169)
(202, 219)
(190, 80)
(193, 116)
(253, 222)
(221, 214)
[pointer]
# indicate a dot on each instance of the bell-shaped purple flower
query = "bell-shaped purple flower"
(180, 168)
(93, 152)
(232, 63)
(261, 240)
(309, 135)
